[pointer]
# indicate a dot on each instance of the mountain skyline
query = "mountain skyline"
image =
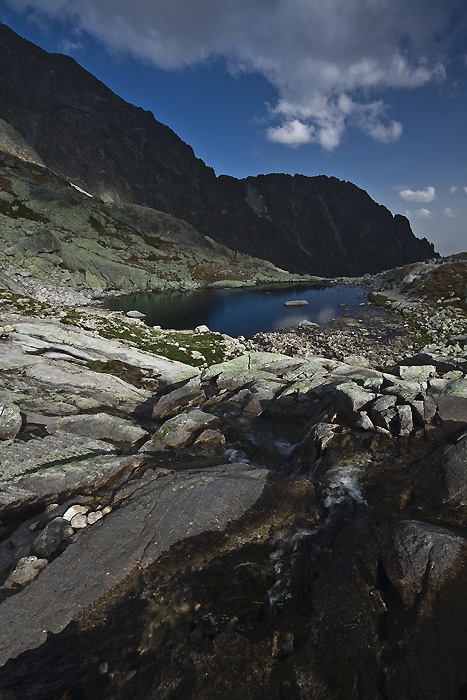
(387, 114)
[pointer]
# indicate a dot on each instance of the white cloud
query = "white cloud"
(419, 214)
(465, 190)
(294, 133)
(449, 213)
(423, 213)
(69, 47)
(453, 189)
(426, 195)
(327, 60)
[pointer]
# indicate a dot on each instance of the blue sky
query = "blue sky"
(370, 91)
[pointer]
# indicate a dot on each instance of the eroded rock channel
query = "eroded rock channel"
(269, 526)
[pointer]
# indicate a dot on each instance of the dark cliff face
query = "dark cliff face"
(80, 128)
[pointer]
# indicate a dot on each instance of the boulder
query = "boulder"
(158, 513)
(348, 398)
(189, 394)
(404, 420)
(179, 431)
(58, 466)
(51, 537)
(27, 569)
(420, 558)
(10, 421)
(416, 373)
(99, 426)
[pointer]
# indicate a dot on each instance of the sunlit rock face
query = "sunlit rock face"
(113, 150)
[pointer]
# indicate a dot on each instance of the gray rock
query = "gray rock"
(74, 510)
(60, 465)
(159, 513)
(10, 421)
(262, 395)
(246, 365)
(100, 427)
(429, 407)
(307, 325)
(418, 412)
(12, 497)
(27, 569)
(356, 361)
(404, 390)
(456, 387)
(449, 468)
(79, 521)
(210, 436)
(383, 411)
(364, 422)
(94, 517)
(404, 420)
(417, 373)
(421, 556)
(452, 412)
(322, 434)
(51, 537)
(190, 394)
(106, 388)
(179, 431)
(349, 398)
(135, 314)
(168, 371)
(296, 302)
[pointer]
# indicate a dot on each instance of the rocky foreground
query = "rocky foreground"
(278, 524)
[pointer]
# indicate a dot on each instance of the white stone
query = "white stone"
(75, 510)
(94, 517)
(79, 521)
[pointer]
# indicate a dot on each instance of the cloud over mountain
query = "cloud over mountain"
(426, 195)
(329, 61)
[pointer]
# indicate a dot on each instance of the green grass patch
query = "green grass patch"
(24, 305)
(174, 345)
(377, 299)
(18, 210)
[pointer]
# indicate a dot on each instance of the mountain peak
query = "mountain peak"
(78, 127)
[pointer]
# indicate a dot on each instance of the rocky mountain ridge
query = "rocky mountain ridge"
(61, 237)
(120, 153)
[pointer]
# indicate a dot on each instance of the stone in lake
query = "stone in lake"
(296, 302)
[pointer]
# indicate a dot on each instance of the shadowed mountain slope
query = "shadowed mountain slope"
(119, 152)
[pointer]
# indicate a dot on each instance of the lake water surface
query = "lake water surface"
(242, 311)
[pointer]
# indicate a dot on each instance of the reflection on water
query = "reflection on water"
(241, 311)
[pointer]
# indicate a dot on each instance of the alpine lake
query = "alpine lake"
(242, 311)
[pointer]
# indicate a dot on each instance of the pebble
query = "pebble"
(75, 510)
(79, 521)
(94, 517)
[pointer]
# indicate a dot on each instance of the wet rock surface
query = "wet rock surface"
(298, 514)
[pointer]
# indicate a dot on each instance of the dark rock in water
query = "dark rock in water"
(315, 225)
